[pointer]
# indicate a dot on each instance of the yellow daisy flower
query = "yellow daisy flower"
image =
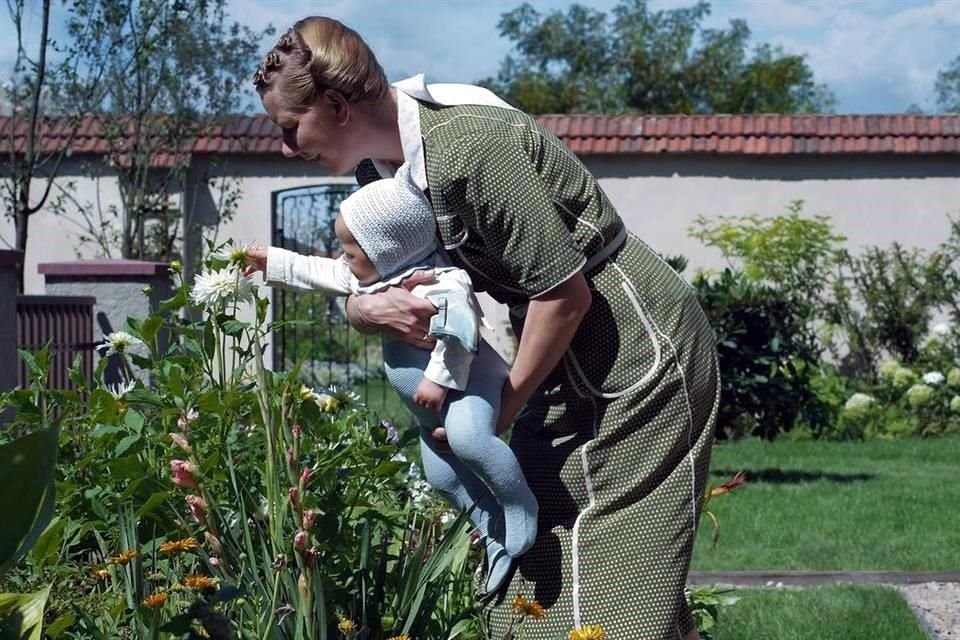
(125, 557)
(532, 608)
(199, 583)
(402, 636)
(345, 626)
(179, 546)
(588, 632)
(155, 600)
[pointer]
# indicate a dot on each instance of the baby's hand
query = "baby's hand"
(430, 395)
(256, 259)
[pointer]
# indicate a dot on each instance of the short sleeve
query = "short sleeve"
(494, 187)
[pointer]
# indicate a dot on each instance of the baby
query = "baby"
(387, 231)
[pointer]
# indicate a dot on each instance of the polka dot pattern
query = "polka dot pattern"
(616, 443)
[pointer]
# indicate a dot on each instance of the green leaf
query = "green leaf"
(21, 615)
(27, 499)
(174, 303)
(60, 625)
(152, 503)
(134, 421)
(31, 362)
(145, 396)
(48, 544)
(150, 328)
(124, 445)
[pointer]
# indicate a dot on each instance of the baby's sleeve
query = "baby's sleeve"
(290, 270)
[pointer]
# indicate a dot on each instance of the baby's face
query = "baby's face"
(357, 260)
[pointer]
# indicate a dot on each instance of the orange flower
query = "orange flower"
(199, 583)
(588, 632)
(532, 608)
(155, 600)
(738, 479)
(179, 546)
(125, 557)
(100, 574)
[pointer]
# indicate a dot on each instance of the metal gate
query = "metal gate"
(311, 329)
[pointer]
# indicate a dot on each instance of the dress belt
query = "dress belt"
(520, 310)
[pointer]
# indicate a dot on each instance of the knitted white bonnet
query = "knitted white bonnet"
(392, 222)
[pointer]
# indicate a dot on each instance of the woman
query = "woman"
(616, 364)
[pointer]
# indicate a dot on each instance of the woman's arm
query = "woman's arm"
(551, 321)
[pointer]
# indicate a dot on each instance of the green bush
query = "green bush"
(766, 358)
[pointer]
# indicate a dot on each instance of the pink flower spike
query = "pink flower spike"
(186, 419)
(297, 431)
(181, 441)
(305, 477)
(184, 473)
(198, 508)
(294, 496)
(309, 516)
(300, 540)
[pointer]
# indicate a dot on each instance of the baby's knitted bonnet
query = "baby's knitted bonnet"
(392, 222)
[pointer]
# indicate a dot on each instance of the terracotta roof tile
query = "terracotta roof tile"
(592, 134)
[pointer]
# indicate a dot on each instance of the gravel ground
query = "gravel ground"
(937, 604)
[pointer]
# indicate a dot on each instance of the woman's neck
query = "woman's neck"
(381, 136)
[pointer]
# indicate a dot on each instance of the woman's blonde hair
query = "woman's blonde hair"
(318, 54)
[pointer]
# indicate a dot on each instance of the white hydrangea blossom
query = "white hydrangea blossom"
(955, 404)
(889, 369)
(933, 377)
(858, 405)
(119, 342)
(224, 285)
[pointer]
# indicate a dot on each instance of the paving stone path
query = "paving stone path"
(934, 597)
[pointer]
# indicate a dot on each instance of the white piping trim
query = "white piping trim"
(591, 503)
(689, 456)
(635, 301)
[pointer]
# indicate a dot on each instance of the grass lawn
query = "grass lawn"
(879, 505)
(834, 613)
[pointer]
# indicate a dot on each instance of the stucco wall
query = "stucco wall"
(871, 200)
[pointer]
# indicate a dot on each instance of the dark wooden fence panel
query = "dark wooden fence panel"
(64, 321)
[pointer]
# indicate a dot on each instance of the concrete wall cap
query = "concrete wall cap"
(103, 267)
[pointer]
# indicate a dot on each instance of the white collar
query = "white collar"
(409, 91)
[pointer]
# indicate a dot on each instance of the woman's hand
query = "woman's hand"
(396, 312)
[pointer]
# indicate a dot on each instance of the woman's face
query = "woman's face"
(319, 133)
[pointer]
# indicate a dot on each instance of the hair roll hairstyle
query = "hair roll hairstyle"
(316, 55)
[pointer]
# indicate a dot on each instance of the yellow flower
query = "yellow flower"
(532, 608)
(199, 583)
(179, 546)
(402, 636)
(100, 574)
(588, 632)
(155, 600)
(125, 557)
(345, 626)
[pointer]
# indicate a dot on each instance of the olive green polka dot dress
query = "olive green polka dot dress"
(616, 443)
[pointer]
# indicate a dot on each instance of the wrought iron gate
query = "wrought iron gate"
(312, 329)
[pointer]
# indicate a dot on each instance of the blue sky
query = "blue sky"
(878, 56)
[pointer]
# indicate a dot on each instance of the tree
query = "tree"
(172, 71)
(25, 96)
(948, 87)
(647, 61)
